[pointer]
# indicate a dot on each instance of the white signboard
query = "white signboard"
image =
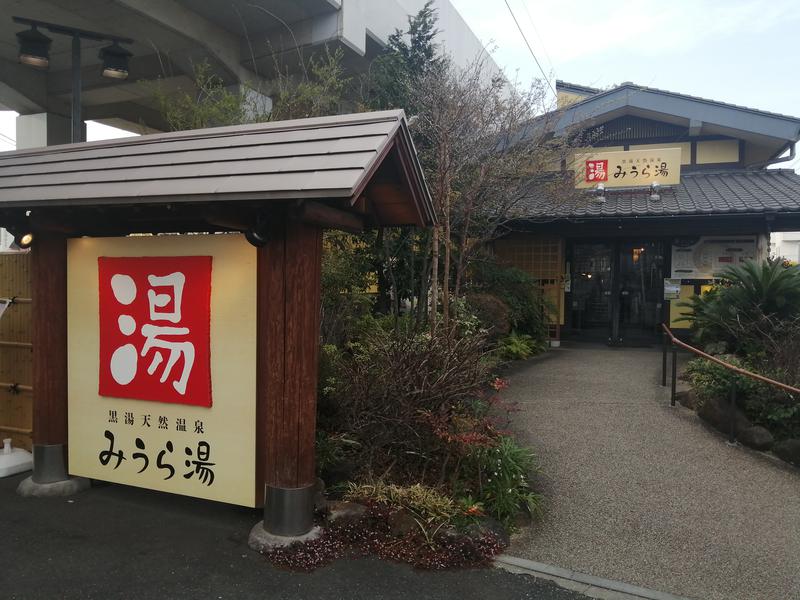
(706, 257)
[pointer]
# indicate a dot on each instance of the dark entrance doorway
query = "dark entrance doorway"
(616, 290)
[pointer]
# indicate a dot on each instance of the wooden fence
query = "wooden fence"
(16, 399)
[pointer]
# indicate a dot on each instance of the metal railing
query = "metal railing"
(675, 343)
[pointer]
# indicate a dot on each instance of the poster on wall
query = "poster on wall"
(162, 363)
(672, 289)
(707, 256)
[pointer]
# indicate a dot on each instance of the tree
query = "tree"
(486, 144)
(320, 89)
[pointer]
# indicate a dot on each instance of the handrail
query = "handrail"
(730, 367)
(15, 388)
(676, 343)
(20, 430)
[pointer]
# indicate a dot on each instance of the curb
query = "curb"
(589, 585)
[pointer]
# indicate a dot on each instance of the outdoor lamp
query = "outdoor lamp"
(258, 234)
(34, 48)
(600, 193)
(115, 61)
(655, 188)
(24, 240)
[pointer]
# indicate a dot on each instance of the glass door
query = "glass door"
(590, 287)
(640, 290)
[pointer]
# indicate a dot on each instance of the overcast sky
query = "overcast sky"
(738, 51)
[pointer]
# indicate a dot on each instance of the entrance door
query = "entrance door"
(591, 289)
(617, 290)
(640, 291)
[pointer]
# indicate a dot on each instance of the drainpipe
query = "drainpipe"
(775, 161)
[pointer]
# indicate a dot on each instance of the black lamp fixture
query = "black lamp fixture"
(34, 50)
(115, 61)
(258, 234)
(23, 240)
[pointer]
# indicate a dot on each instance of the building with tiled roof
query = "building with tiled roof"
(673, 189)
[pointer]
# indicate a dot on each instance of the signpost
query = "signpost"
(188, 363)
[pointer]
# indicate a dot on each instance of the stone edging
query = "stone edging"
(591, 586)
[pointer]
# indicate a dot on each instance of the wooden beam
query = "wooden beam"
(322, 215)
(49, 338)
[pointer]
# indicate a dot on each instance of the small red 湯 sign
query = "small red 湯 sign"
(155, 328)
(596, 170)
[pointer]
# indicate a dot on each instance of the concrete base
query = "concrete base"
(28, 488)
(262, 541)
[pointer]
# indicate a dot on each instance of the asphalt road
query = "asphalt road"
(119, 542)
(646, 494)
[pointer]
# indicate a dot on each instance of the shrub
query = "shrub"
(518, 346)
(397, 393)
(346, 278)
(763, 404)
(520, 291)
(493, 312)
(425, 503)
(751, 301)
(502, 473)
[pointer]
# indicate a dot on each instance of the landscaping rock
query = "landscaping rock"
(688, 398)
(715, 348)
(716, 412)
(339, 472)
(485, 526)
(756, 437)
(401, 523)
(788, 450)
(345, 511)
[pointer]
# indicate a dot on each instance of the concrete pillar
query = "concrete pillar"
(43, 129)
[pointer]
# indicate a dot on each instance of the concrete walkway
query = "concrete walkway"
(643, 493)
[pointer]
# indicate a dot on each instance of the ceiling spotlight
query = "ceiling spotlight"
(115, 61)
(34, 48)
(24, 240)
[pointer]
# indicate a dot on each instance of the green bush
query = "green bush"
(521, 293)
(751, 302)
(519, 346)
(762, 403)
(502, 473)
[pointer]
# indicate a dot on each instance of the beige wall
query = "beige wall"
(717, 151)
(686, 149)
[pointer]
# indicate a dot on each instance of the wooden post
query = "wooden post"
(288, 350)
(49, 339)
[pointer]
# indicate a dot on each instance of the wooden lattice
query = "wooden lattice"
(16, 408)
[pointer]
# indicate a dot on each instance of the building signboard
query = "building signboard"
(706, 257)
(162, 363)
(628, 168)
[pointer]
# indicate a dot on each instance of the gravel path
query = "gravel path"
(643, 493)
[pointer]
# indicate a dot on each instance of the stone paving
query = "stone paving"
(646, 494)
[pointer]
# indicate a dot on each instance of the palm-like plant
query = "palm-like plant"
(750, 300)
